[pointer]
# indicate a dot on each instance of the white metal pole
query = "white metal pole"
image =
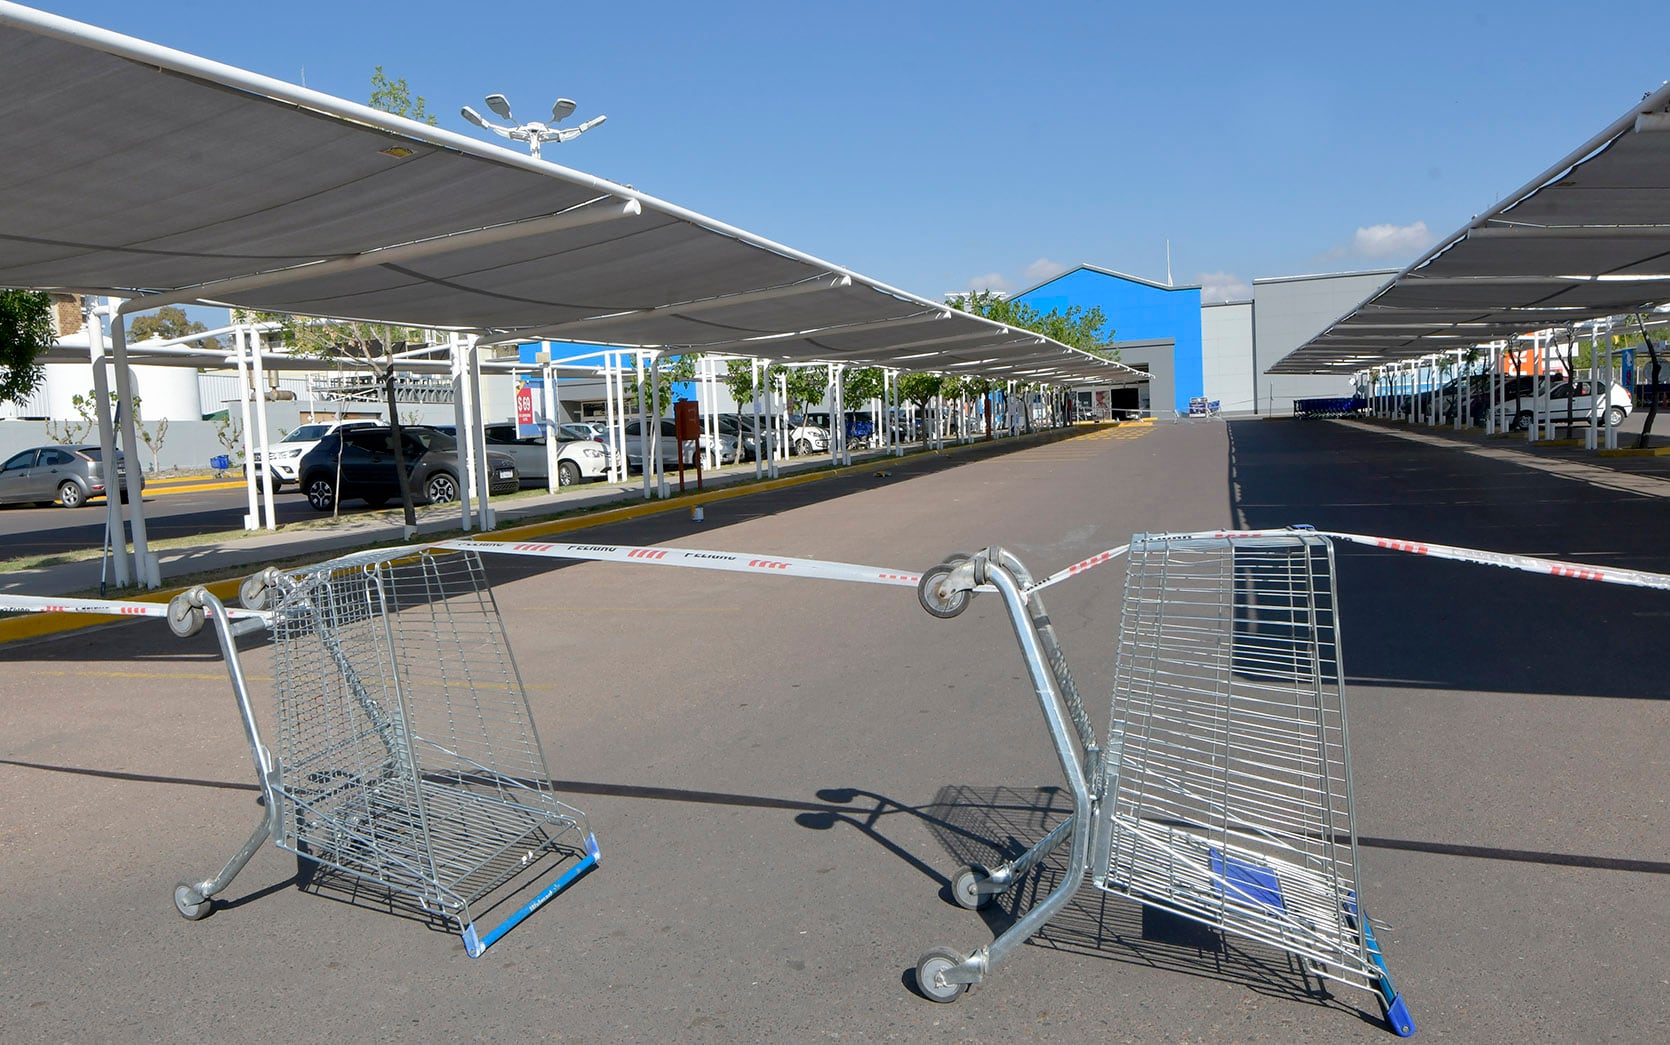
(241, 338)
(782, 393)
(107, 444)
(461, 425)
(478, 435)
(145, 567)
(261, 422)
(548, 384)
(655, 422)
(759, 425)
(1611, 378)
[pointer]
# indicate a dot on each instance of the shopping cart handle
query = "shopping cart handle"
(476, 945)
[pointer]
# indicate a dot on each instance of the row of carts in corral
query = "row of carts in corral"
(1347, 406)
(400, 749)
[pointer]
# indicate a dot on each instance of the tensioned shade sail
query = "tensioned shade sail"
(1588, 238)
(146, 173)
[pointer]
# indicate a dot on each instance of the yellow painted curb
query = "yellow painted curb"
(1651, 451)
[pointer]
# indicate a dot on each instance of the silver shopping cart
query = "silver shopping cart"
(1223, 791)
(407, 756)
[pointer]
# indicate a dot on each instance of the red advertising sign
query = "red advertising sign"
(525, 424)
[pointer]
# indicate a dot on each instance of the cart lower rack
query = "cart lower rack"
(1223, 794)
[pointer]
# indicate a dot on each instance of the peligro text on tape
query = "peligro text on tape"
(695, 558)
(107, 607)
(1526, 563)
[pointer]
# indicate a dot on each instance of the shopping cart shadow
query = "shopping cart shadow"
(991, 825)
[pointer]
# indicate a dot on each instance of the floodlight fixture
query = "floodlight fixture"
(532, 132)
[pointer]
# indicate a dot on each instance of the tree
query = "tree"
(1077, 327)
(862, 384)
(393, 96)
(673, 370)
(25, 334)
(371, 346)
(169, 322)
(920, 388)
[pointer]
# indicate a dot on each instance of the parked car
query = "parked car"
(806, 438)
(69, 475)
(287, 453)
(582, 430)
(740, 427)
(368, 473)
(1585, 401)
(671, 450)
(577, 459)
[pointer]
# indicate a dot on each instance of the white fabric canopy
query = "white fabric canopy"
(1588, 238)
(146, 173)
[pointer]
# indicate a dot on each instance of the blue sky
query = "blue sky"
(941, 147)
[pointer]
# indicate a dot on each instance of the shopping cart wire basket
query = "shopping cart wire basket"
(1223, 791)
(407, 755)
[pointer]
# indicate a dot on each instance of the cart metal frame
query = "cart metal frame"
(408, 756)
(1223, 794)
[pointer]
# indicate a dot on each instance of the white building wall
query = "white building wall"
(1289, 311)
(1226, 355)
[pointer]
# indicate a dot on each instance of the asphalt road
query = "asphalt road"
(45, 531)
(782, 773)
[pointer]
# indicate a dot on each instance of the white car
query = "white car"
(808, 439)
(286, 454)
(1578, 400)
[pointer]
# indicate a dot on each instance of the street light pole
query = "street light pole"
(532, 132)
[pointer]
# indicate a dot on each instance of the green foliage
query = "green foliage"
(25, 333)
(229, 432)
(674, 369)
(920, 388)
(739, 378)
(168, 323)
(393, 96)
(860, 385)
(1078, 327)
(807, 386)
(79, 431)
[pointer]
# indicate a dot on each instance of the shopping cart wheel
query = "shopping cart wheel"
(184, 618)
(253, 592)
(965, 887)
(934, 597)
(193, 905)
(930, 970)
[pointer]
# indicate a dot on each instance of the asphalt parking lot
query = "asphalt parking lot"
(782, 772)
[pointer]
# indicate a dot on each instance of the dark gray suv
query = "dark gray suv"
(367, 470)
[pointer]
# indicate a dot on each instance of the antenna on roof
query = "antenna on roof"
(1169, 283)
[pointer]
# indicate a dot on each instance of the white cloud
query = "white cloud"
(990, 281)
(1223, 286)
(1043, 269)
(1390, 241)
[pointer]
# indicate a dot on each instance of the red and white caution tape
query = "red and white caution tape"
(692, 558)
(108, 607)
(1527, 563)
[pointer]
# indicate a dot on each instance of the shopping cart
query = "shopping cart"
(1223, 794)
(407, 754)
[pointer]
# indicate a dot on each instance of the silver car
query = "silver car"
(69, 475)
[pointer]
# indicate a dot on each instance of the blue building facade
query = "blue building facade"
(1137, 310)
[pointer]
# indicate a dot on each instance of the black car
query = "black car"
(367, 467)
